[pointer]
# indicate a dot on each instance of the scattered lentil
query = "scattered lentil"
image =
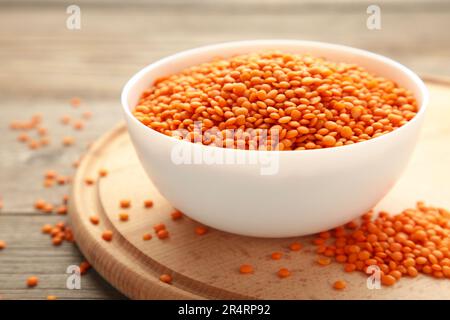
(107, 235)
(32, 281)
(94, 219)
(276, 255)
(201, 230)
(148, 203)
(339, 285)
(147, 237)
(284, 273)
(246, 269)
(176, 215)
(166, 278)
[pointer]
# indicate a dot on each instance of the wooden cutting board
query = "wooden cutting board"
(207, 267)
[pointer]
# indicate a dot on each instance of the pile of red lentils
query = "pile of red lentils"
(415, 241)
(308, 102)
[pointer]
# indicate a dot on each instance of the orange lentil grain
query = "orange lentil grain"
(162, 234)
(201, 230)
(276, 255)
(51, 297)
(283, 273)
(2, 244)
(339, 285)
(84, 267)
(107, 235)
(165, 278)
(295, 246)
(32, 281)
(123, 216)
(125, 203)
(148, 203)
(46, 228)
(102, 172)
(68, 141)
(388, 280)
(78, 125)
(75, 102)
(159, 227)
(176, 215)
(65, 119)
(94, 219)
(246, 269)
(87, 115)
(323, 261)
(57, 240)
(40, 204)
(147, 237)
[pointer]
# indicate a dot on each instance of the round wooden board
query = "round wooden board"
(206, 267)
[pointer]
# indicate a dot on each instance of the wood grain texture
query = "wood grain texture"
(205, 267)
(42, 65)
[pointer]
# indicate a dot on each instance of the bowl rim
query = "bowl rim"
(339, 47)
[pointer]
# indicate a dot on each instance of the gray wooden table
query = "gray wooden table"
(43, 65)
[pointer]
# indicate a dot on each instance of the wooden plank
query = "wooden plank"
(42, 58)
(30, 253)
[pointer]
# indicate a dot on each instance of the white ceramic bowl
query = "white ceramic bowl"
(312, 190)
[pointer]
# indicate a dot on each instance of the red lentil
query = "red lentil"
(147, 237)
(339, 285)
(94, 219)
(125, 203)
(84, 267)
(159, 227)
(312, 103)
(32, 281)
(102, 172)
(68, 141)
(65, 119)
(201, 230)
(148, 203)
(51, 297)
(62, 210)
(324, 261)
(78, 125)
(162, 234)
(166, 278)
(46, 228)
(87, 115)
(107, 235)
(283, 273)
(412, 242)
(296, 246)
(123, 216)
(2, 244)
(40, 204)
(276, 255)
(75, 102)
(176, 215)
(246, 269)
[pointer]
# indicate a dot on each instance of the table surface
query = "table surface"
(43, 65)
